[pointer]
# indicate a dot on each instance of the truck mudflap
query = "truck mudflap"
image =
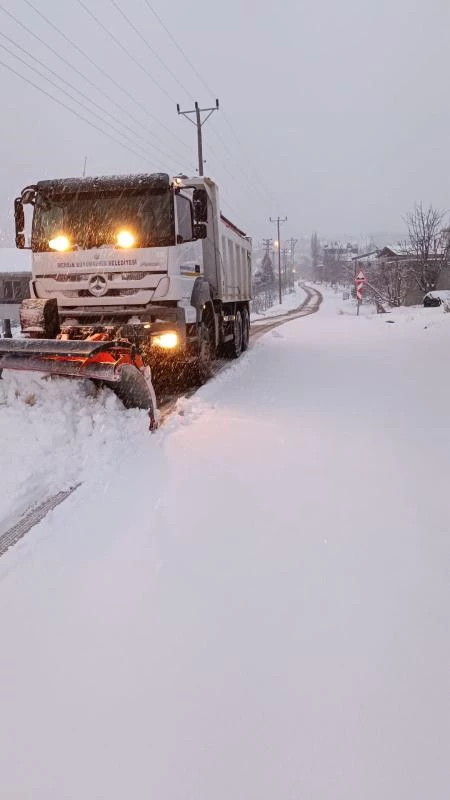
(114, 363)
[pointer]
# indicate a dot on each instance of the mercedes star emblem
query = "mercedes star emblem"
(98, 285)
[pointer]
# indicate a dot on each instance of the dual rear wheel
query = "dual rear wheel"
(241, 334)
(232, 349)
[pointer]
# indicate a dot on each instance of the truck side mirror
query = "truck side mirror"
(200, 199)
(19, 218)
(200, 231)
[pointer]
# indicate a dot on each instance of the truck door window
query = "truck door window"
(185, 231)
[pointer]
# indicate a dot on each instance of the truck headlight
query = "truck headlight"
(168, 341)
(125, 239)
(59, 243)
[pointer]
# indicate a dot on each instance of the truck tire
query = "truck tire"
(245, 329)
(204, 363)
(233, 349)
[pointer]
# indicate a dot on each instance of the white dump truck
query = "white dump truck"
(130, 271)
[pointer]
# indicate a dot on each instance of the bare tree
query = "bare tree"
(428, 245)
(390, 281)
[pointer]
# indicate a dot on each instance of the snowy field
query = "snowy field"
(254, 602)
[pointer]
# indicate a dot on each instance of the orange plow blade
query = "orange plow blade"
(114, 363)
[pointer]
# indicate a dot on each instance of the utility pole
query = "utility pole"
(199, 122)
(268, 274)
(293, 242)
(285, 254)
(279, 221)
(84, 166)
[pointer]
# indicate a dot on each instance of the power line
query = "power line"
(240, 145)
(120, 44)
(199, 122)
(232, 174)
(201, 79)
(264, 195)
(74, 88)
(122, 47)
(88, 80)
(52, 83)
(94, 63)
(148, 45)
(72, 110)
(179, 48)
(238, 214)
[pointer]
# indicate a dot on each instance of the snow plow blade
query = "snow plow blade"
(114, 363)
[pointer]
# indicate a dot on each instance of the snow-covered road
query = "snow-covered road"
(254, 602)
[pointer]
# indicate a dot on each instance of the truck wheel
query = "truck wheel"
(234, 348)
(245, 329)
(204, 365)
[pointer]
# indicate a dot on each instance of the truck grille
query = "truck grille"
(109, 293)
(75, 278)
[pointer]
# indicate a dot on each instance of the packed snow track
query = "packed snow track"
(309, 305)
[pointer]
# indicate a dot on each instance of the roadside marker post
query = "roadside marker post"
(360, 280)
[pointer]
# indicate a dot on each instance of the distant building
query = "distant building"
(336, 261)
(15, 277)
(393, 256)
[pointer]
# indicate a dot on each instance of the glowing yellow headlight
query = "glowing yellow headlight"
(168, 341)
(59, 243)
(125, 239)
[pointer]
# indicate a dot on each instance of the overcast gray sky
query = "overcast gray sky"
(335, 114)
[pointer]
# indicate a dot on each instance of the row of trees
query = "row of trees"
(266, 281)
(392, 273)
(264, 286)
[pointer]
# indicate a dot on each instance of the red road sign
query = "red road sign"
(359, 289)
(360, 276)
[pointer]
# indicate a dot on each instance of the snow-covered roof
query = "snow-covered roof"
(372, 256)
(13, 260)
(393, 249)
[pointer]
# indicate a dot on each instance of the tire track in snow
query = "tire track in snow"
(309, 305)
(32, 518)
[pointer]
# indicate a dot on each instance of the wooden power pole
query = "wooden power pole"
(279, 221)
(199, 122)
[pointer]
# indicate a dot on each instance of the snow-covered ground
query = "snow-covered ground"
(290, 301)
(254, 602)
(54, 434)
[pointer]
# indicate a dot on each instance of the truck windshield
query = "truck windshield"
(95, 220)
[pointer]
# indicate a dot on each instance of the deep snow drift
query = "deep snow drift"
(254, 602)
(54, 434)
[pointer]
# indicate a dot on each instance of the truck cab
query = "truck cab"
(146, 253)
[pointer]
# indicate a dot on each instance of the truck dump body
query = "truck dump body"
(235, 251)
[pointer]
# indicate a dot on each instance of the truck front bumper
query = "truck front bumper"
(135, 322)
